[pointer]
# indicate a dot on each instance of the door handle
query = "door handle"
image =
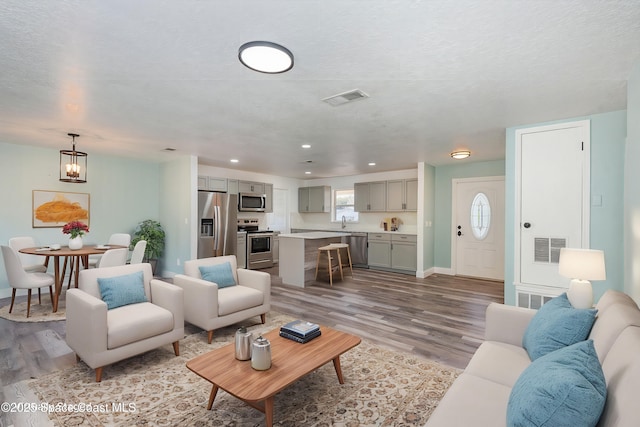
(527, 225)
(459, 233)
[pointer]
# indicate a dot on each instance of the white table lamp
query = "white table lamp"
(581, 265)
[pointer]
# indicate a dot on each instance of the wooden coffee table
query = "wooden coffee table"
(290, 361)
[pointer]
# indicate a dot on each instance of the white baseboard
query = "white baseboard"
(425, 273)
(445, 271)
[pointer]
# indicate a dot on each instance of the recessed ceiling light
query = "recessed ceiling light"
(460, 154)
(234, 160)
(372, 163)
(307, 173)
(266, 57)
(306, 146)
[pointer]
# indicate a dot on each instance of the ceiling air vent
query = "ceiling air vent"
(343, 98)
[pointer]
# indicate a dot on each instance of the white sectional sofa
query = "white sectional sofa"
(480, 395)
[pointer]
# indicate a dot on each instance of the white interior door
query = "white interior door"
(554, 197)
(479, 227)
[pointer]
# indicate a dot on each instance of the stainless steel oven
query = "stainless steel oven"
(259, 250)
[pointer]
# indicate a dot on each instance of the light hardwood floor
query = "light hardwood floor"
(440, 317)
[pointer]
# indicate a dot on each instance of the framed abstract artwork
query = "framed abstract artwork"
(56, 208)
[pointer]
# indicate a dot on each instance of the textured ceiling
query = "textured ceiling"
(135, 77)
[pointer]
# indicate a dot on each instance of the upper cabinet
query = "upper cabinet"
(210, 183)
(251, 187)
(402, 195)
(370, 196)
(232, 186)
(386, 196)
(268, 192)
(314, 199)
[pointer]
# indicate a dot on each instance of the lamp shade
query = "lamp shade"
(583, 264)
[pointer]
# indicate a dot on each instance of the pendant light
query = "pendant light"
(73, 164)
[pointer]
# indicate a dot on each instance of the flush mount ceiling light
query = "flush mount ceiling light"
(460, 154)
(73, 164)
(266, 57)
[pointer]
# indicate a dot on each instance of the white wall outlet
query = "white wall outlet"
(178, 261)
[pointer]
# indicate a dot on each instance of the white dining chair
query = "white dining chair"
(138, 252)
(113, 258)
(20, 279)
(30, 263)
(121, 239)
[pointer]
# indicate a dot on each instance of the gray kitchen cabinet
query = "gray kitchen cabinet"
(314, 199)
(370, 196)
(411, 195)
(211, 183)
(393, 251)
(402, 195)
(232, 186)
(251, 187)
(379, 250)
(241, 257)
(404, 252)
(268, 191)
(303, 199)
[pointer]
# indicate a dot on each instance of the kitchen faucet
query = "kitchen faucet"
(344, 222)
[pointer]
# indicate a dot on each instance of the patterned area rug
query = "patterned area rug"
(39, 312)
(382, 388)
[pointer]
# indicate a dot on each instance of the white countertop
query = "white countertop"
(349, 232)
(315, 235)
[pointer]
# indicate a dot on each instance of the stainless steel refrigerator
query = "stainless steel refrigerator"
(218, 221)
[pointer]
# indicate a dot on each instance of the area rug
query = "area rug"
(382, 388)
(39, 312)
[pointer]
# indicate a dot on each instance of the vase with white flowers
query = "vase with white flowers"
(75, 230)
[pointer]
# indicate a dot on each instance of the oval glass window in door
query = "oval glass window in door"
(480, 216)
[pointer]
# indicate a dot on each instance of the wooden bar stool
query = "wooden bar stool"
(327, 251)
(345, 246)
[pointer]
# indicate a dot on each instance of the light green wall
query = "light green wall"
(632, 188)
(443, 194)
(608, 132)
(122, 192)
(428, 224)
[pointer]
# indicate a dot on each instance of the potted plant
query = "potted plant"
(152, 232)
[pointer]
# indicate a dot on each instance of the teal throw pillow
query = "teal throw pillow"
(220, 274)
(556, 325)
(122, 290)
(563, 388)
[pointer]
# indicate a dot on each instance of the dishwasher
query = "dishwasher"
(358, 248)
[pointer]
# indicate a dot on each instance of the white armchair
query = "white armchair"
(208, 307)
(100, 336)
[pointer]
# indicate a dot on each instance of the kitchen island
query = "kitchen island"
(299, 252)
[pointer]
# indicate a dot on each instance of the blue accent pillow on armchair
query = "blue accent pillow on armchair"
(564, 388)
(122, 290)
(220, 274)
(556, 325)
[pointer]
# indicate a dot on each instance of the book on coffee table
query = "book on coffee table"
(298, 339)
(300, 328)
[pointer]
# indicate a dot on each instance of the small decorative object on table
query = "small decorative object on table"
(243, 344)
(75, 229)
(300, 331)
(261, 354)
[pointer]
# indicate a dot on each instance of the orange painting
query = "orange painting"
(54, 209)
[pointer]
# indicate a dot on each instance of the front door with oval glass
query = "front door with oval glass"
(478, 235)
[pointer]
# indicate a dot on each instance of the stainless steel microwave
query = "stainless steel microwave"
(251, 202)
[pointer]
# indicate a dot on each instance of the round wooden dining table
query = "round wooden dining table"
(76, 255)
